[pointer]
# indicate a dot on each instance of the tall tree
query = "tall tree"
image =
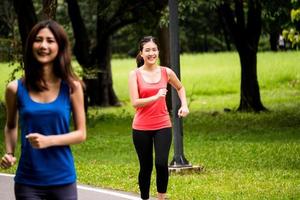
(243, 19)
(95, 57)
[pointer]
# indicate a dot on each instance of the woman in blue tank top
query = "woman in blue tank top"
(42, 102)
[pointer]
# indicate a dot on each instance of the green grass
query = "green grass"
(245, 156)
(218, 74)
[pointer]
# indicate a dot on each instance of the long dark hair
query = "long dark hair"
(62, 64)
(143, 41)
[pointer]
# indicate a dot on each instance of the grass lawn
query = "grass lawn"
(245, 155)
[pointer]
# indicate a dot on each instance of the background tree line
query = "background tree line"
(100, 29)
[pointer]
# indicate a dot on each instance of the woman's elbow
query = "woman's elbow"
(82, 136)
(181, 88)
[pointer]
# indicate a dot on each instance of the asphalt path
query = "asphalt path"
(84, 192)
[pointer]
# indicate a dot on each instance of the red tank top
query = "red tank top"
(154, 115)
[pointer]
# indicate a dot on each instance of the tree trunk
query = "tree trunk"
(82, 42)
(273, 40)
(224, 29)
(49, 9)
(100, 91)
(250, 95)
(26, 18)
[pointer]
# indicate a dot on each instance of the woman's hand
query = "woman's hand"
(183, 111)
(7, 161)
(38, 141)
(161, 92)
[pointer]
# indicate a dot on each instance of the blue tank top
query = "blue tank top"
(52, 165)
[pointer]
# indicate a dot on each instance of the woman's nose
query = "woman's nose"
(44, 44)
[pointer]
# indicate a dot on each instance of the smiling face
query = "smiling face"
(150, 53)
(45, 47)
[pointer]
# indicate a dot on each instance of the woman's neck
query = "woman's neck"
(48, 74)
(150, 67)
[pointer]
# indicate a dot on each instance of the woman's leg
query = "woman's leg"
(26, 192)
(63, 192)
(143, 142)
(162, 144)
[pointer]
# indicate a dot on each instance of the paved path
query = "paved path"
(84, 192)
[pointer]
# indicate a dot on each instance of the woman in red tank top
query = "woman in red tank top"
(151, 124)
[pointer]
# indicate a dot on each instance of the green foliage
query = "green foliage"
(295, 15)
(292, 35)
(200, 29)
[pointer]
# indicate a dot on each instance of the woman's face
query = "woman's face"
(45, 47)
(150, 53)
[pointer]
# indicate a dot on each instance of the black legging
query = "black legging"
(143, 142)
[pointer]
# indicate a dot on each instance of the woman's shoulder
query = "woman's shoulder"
(133, 72)
(12, 87)
(76, 86)
(168, 70)
(165, 68)
(76, 83)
